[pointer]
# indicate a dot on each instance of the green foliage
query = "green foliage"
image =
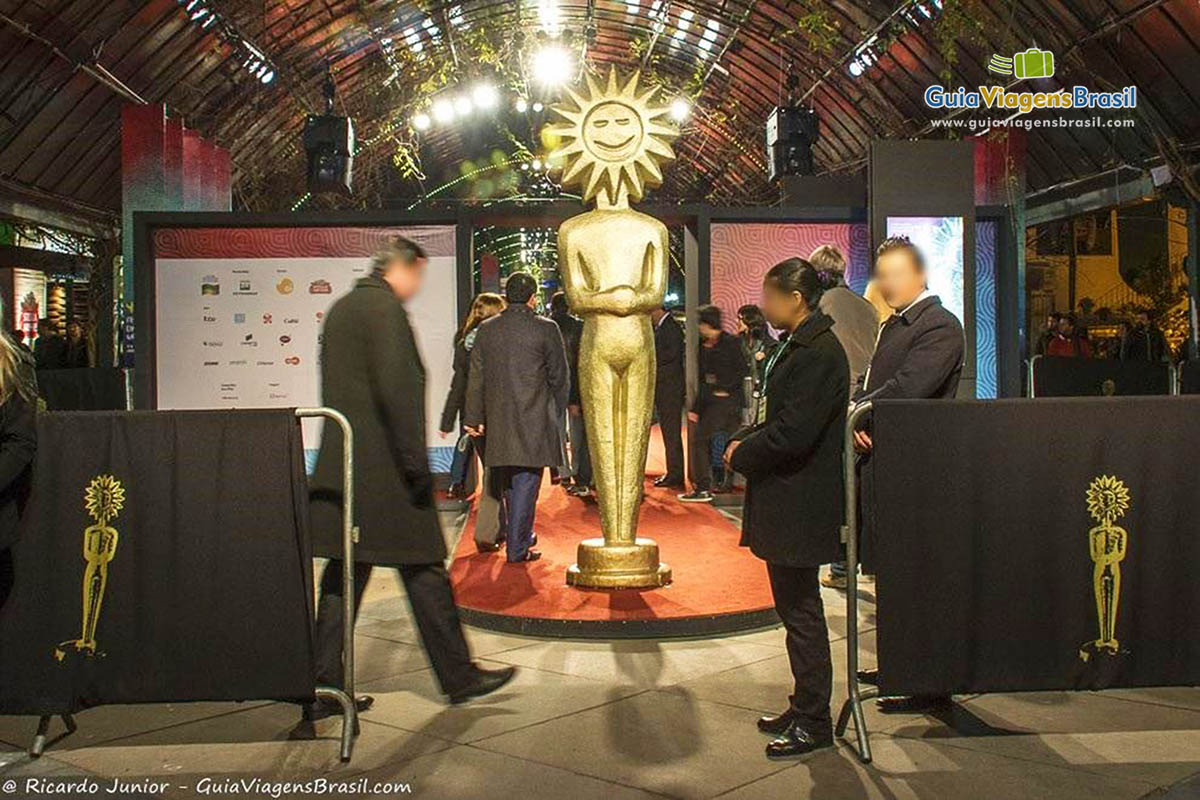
(960, 22)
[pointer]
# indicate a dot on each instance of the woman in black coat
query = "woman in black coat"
(485, 306)
(792, 460)
(18, 445)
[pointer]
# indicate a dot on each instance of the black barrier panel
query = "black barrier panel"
(1037, 544)
(1058, 376)
(1189, 378)
(163, 557)
(82, 389)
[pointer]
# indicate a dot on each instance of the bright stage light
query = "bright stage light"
(485, 96)
(443, 111)
(856, 68)
(538, 107)
(537, 163)
(462, 106)
(680, 109)
(421, 122)
(551, 65)
(521, 105)
(270, 76)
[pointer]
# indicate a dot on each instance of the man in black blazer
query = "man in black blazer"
(919, 355)
(669, 389)
(517, 392)
(371, 372)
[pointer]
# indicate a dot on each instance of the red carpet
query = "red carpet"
(717, 587)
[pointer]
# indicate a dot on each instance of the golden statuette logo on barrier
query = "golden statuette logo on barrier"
(103, 500)
(613, 263)
(1107, 501)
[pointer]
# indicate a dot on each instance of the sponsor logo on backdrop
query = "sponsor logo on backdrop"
(248, 340)
(229, 387)
(285, 286)
(267, 319)
(277, 396)
(209, 285)
(211, 363)
(212, 343)
(241, 362)
(320, 286)
(320, 316)
(208, 318)
(264, 363)
(292, 360)
(239, 319)
(285, 339)
(291, 320)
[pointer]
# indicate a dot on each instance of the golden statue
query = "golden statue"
(103, 499)
(613, 264)
(1107, 500)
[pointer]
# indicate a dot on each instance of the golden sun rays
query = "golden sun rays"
(613, 138)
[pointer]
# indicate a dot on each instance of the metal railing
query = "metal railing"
(1031, 389)
(345, 695)
(855, 695)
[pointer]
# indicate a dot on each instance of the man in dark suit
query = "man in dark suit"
(669, 389)
(517, 391)
(372, 373)
(919, 355)
(571, 328)
(49, 349)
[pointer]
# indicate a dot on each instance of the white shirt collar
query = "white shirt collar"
(920, 297)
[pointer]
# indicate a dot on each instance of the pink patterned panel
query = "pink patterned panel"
(742, 252)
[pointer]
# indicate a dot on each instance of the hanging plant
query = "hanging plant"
(958, 23)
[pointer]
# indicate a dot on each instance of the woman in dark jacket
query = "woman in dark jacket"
(485, 306)
(792, 460)
(18, 445)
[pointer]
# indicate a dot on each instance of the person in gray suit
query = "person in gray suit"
(855, 324)
(517, 391)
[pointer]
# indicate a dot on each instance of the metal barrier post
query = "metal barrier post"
(1029, 390)
(853, 704)
(344, 696)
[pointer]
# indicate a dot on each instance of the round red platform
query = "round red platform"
(717, 587)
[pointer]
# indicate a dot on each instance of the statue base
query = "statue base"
(618, 566)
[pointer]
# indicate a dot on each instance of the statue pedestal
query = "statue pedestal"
(618, 566)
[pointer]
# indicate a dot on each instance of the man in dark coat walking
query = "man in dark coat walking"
(371, 372)
(517, 391)
(919, 355)
(792, 460)
(571, 328)
(669, 389)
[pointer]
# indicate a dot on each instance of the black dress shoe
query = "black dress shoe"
(916, 704)
(777, 724)
(669, 482)
(869, 677)
(530, 555)
(487, 548)
(328, 707)
(483, 681)
(797, 741)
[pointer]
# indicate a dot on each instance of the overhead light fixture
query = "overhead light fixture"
(268, 77)
(537, 107)
(422, 122)
(485, 96)
(443, 111)
(521, 105)
(551, 65)
(680, 109)
(462, 106)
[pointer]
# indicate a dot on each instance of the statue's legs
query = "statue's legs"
(598, 384)
(1098, 588)
(1114, 602)
(637, 401)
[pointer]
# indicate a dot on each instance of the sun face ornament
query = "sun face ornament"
(615, 140)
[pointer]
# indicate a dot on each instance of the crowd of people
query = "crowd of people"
(52, 350)
(772, 408)
(1140, 339)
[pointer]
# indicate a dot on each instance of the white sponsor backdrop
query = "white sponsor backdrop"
(245, 333)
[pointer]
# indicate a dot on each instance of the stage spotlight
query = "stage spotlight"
(680, 109)
(521, 105)
(462, 106)
(551, 65)
(485, 96)
(537, 107)
(270, 76)
(525, 166)
(421, 122)
(537, 163)
(443, 111)
(856, 68)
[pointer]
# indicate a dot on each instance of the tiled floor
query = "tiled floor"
(630, 719)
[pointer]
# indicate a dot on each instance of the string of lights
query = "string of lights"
(202, 14)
